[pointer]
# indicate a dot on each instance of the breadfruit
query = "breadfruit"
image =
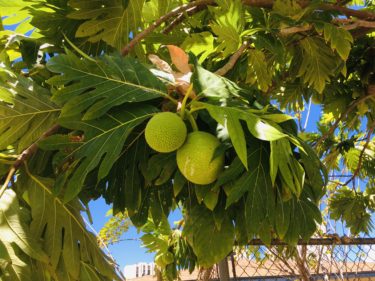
(195, 158)
(165, 132)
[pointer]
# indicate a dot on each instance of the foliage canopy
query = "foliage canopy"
(79, 81)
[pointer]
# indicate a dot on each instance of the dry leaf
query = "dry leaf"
(160, 64)
(179, 58)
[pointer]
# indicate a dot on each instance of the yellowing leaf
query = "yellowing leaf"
(339, 38)
(160, 64)
(327, 118)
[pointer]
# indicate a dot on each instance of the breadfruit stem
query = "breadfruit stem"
(192, 120)
(183, 105)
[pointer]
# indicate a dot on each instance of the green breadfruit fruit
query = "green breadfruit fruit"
(165, 132)
(194, 158)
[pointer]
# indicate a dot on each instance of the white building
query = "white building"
(139, 270)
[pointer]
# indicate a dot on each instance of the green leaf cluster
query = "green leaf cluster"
(354, 208)
(110, 21)
(43, 238)
(73, 112)
(172, 251)
(26, 112)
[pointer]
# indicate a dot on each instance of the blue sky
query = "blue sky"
(128, 251)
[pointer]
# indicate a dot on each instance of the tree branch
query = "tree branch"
(181, 18)
(295, 29)
(25, 155)
(350, 24)
(232, 60)
(347, 24)
(364, 15)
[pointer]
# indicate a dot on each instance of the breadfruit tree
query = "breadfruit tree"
(163, 104)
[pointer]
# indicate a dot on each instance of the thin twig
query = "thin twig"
(160, 21)
(347, 24)
(232, 60)
(7, 180)
(295, 29)
(364, 15)
(360, 159)
(350, 24)
(339, 176)
(350, 108)
(181, 18)
(282, 259)
(25, 155)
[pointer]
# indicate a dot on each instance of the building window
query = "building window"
(136, 272)
(144, 270)
(148, 270)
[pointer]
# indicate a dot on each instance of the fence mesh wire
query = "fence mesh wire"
(324, 259)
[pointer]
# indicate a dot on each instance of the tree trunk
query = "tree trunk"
(159, 276)
(302, 265)
(204, 274)
(224, 270)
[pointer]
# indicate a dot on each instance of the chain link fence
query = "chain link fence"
(331, 258)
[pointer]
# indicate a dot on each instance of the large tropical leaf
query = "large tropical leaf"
(14, 13)
(125, 181)
(339, 38)
(69, 246)
(154, 9)
(231, 117)
(15, 236)
(210, 242)
(271, 207)
(256, 184)
(291, 171)
(354, 208)
(296, 218)
(228, 26)
(258, 72)
(101, 145)
(212, 86)
(50, 19)
(318, 63)
(113, 21)
(25, 112)
(95, 86)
